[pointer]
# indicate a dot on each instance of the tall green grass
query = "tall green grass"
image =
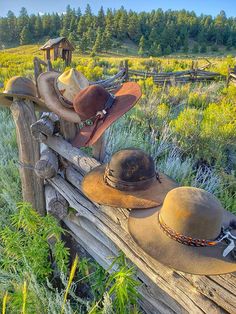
(190, 132)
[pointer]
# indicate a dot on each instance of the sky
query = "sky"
(212, 7)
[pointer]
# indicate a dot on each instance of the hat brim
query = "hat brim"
(126, 97)
(47, 92)
(98, 191)
(6, 100)
(147, 233)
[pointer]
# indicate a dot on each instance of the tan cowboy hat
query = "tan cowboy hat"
(98, 109)
(129, 180)
(186, 233)
(58, 91)
(21, 87)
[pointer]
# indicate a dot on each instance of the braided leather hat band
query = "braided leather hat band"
(185, 239)
(128, 186)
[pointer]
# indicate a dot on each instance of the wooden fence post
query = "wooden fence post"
(126, 70)
(32, 186)
(98, 149)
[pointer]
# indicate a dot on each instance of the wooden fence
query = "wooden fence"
(195, 74)
(51, 171)
(232, 76)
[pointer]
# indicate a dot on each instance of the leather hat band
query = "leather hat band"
(128, 186)
(65, 102)
(185, 239)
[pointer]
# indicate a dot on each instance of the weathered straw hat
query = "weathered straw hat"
(129, 180)
(191, 232)
(58, 91)
(98, 109)
(21, 87)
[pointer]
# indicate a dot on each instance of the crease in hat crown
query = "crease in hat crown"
(129, 180)
(21, 86)
(192, 212)
(191, 232)
(130, 169)
(93, 103)
(69, 83)
(24, 88)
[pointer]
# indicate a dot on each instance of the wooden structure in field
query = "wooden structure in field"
(58, 48)
(51, 173)
(195, 74)
(232, 76)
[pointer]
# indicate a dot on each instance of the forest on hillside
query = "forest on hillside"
(155, 33)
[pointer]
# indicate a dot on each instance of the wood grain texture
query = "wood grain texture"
(47, 166)
(175, 292)
(47, 125)
(32, 186)
(56, 204)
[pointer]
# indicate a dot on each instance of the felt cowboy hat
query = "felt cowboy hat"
(21, 87)
(93, 107)
(58, 91)
(191, 232)
(98, 109)
(129, 180)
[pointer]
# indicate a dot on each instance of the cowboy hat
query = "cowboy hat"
(58, 91)
(186, 233)
(129, 180)
(98, 109)
(21, 87)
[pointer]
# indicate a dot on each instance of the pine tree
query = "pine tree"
(82, 28)
(141, 46)
(78, 13)
(12, 27)
(122, 26)
(195, 48)
(155, 50)
(83, 44)
(38, 27)
(186, 45)
(23, 19)
(167, 50)
(25, 36)
(203, 48)
(72, 37)
(107, 40)
(88, 16)
(90, 36)
(97, 47)
(101, 18)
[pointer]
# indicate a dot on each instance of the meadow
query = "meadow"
(190, 130)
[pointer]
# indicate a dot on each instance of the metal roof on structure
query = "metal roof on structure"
(52, 42)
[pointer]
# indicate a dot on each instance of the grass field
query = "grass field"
(190, 131)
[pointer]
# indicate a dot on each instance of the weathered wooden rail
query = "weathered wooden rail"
(195, 74)
(51, 171)
(232, 76)
(102, 230)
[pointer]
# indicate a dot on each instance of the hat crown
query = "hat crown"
(70, 82)
(192, 212)
(21, 86)
(90, 100)
(131, 165)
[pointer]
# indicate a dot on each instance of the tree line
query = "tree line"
(155, 33)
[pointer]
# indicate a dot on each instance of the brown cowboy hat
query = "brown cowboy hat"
(93, 107)
(186, 232)
(129, 180)
(98, 109)
(58, 90)
(21, 87)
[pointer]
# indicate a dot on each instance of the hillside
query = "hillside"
(156, 33)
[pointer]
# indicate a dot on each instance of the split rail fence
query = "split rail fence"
(51, 172)
(195, 74)
(232, 75)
